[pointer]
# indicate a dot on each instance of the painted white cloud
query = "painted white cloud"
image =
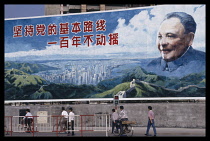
(198, 13)
(140, 33)
(80, 50)
(138, 36)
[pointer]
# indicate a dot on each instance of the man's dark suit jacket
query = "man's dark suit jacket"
(193, 61)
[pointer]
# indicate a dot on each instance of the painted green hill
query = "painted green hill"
(19, 78)
(110, 93)
(20, 85)
(41, 94)
(27, 67)
(166, 82)
(145, 89)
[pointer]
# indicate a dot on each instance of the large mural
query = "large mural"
(156, 51)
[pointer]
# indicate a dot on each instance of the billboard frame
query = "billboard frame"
(100, 99)
(166, 99)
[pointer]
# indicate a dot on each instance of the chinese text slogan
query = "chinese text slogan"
(65, 29)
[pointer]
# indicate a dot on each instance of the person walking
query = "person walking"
(151, 121)
(28, 120)
(71, 121)
(65, 115)
(115, 120)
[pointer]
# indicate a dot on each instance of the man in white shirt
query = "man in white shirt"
(115, 120)
(71, 121)
(64, 114)
(28, 119)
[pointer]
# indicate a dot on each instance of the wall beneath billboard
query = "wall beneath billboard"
(180, 114)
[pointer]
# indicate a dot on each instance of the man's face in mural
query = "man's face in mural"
(172, 41)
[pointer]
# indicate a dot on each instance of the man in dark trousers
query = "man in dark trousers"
(151, 121)
(115, 120)
(28, 119)
(71, 121)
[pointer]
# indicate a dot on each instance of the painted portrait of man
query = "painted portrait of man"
(175, 44)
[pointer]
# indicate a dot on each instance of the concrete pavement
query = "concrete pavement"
(138, 132)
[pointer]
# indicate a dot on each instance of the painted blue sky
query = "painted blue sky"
(136, 28)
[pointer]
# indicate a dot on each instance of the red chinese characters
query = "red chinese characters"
(64, 42)
(76, 27)
(64, 28)
(69, 30)
(40, 29)
(29, 30)
(76, 40)
(100, 25)
(88, 39)
(113, 39)
(17, 31)
(52, 29)
(88, 26)
(100, 39)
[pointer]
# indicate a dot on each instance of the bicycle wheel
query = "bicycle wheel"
(128, 131)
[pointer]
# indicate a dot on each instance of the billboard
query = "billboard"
(156, 51)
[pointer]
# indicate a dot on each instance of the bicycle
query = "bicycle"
(125, 130)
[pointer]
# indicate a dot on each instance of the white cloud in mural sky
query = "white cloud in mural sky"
(139, 35)
(141, 30)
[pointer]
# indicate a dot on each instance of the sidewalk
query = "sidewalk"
(138, 132)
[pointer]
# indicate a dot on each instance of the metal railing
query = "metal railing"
(54, 124)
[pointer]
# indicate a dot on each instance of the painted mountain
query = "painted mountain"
(21, 84)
